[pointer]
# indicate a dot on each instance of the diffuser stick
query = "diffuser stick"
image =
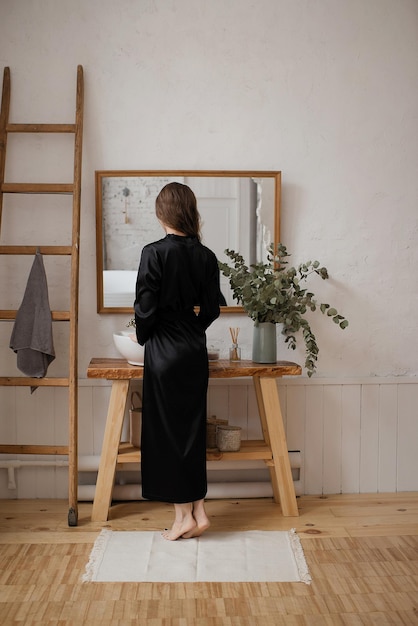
(235, 351)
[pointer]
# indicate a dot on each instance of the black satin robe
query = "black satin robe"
(175, 274)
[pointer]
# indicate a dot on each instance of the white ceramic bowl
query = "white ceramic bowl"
(130, 350)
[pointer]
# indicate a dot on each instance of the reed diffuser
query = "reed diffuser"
(235, 350)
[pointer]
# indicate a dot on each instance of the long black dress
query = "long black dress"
(175, 274)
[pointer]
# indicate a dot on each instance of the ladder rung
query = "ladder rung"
(32, 449)
(52, 250)
(57, 316)
(19, 381)
(60, 316)
(37, 188)
(40, 128)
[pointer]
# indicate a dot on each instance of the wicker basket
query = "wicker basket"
(212, 424)
(228, 438)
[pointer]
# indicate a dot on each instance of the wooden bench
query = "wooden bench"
(272, 450)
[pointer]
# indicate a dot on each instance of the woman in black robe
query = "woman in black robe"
(176, 274)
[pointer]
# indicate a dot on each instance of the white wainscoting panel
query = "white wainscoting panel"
(407, 452)
(354, 435)
(388, 440)
(350, 439)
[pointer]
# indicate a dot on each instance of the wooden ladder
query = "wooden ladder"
(70, 316)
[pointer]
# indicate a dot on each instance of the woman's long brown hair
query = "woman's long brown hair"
(176, 206)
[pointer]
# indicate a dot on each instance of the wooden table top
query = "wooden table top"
(119, 369)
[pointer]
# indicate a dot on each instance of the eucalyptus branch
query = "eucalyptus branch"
(276, 292)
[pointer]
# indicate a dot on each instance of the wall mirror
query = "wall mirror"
(240, 210)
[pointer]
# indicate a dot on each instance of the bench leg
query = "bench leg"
(110, 449)
(274, 435)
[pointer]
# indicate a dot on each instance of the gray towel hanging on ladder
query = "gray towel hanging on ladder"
(31, 337)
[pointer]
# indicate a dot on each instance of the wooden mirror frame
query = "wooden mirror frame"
(100, 174)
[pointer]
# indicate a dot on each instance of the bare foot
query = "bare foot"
(202, 521)
(198, 530)
(180, 529)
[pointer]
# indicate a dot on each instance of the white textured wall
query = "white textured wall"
(324, 91)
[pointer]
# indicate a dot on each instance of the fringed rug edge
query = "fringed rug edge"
(96, 556)
(299, 555)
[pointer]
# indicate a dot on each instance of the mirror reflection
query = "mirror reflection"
(239, 210)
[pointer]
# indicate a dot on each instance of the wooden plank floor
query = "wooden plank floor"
(362, 552)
